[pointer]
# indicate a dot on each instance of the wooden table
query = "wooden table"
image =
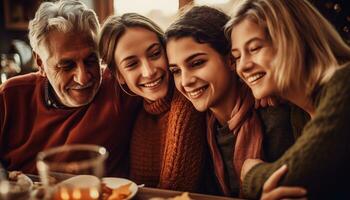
(146, 193)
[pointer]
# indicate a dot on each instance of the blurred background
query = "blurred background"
(16, 54)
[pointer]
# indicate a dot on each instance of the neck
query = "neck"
(299, 97)
(223, 108)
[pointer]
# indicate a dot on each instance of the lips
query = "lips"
(252, 79)
(81, 87)
(196, 93)
(153, 84)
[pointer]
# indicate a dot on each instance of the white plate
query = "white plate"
(113, 183)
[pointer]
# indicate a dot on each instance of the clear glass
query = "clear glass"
(72, 171)
(10, 65)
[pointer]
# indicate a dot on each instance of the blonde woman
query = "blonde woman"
(201, 63)
(287, 48)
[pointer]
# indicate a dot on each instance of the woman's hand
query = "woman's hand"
(268, 101)
(272, 191)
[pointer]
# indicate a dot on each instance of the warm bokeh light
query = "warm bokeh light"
(161, 11)
(145, 6)
(211, 2)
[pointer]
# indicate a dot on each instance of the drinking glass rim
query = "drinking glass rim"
(64, 148)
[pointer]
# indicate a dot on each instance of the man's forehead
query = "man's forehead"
(70, 44)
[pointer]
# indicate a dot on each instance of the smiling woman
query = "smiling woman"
(168, 134)
(204, 72)
(287, 48)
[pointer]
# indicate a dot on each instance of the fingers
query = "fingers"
(261, 103)
(264, 102)
(272, 101)
(285, 193)
(272, 181)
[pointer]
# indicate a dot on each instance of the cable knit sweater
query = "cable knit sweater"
(320, 158)
(168, 145)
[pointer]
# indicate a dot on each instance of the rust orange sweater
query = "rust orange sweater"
(168, 145)
(28, 125)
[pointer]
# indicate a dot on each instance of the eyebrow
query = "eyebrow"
(152, 45)
(132, 56)
(68, 60)
(248, 42)
(191, 57)
(64, 61)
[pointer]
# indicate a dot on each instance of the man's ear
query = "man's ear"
(120, 78)
(39, 63)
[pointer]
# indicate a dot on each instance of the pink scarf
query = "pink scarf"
(246, 126)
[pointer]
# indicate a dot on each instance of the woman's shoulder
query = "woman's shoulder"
(338, 85)
(342, 73)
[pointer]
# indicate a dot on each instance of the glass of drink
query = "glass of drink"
(10, 65)
(72, 172)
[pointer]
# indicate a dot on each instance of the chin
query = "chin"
(200, 108)
(260, 94)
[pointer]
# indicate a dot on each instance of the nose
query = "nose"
(82, 75)
(147, 69)
(245, 63)
(187, 78)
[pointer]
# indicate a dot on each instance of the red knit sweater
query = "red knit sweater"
(168, 146)
(28, 125)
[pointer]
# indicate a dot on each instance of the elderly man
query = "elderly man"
(70, 99)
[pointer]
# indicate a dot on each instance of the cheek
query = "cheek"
(162, 63)
(177, 80)
(129, 78)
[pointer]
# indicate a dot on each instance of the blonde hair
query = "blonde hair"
(64, 16)
(308, 48)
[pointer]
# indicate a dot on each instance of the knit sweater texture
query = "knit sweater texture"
(319, 160)
(28, 125)
(168, 145)
(278, 135)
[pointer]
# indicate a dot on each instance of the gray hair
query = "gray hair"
(64, 16)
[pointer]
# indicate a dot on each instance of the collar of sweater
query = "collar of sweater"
(50, 99)
(161, 105)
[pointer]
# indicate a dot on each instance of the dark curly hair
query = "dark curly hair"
(204, 24)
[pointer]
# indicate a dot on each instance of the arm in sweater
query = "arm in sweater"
(321, 155)
(185, 147)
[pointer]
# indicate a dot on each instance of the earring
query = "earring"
(128, 93)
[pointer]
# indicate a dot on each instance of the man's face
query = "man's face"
(71, 64)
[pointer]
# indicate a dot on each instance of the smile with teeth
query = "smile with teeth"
(153, 83)
(197, 92)
(81, 87)
(251, 79)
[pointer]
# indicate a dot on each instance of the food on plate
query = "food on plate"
(23, 181)
(119, 193)
(18, 186)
